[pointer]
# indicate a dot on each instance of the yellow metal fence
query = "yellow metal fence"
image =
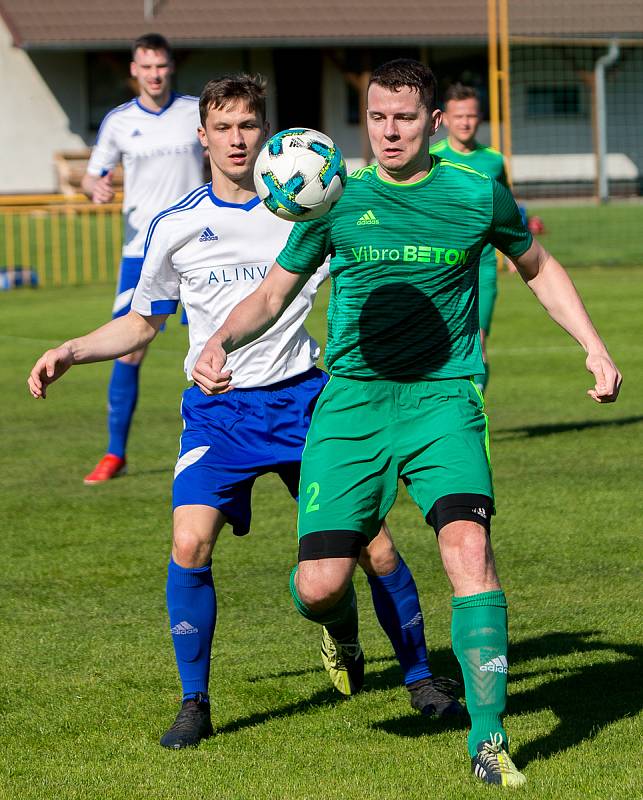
(66, 240)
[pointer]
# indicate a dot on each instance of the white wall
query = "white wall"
(334, 124)
(34, 124)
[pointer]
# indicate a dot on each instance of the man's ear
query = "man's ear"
(436, 120)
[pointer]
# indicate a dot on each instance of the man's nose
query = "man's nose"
(390, 129)
(236, 137)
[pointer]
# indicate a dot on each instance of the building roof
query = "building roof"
(44, 24)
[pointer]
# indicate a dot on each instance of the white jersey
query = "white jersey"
(210, 254)
(162, 159)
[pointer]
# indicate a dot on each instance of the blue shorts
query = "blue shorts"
(229, 440)
(128, 278)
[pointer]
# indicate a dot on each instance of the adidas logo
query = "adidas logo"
(136, 132)
(208, 236)
(368, 219)
(412, 623)
(183, 628)
(498, 664)
(481, 512)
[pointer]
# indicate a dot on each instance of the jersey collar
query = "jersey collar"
(248, 206)
(173, 96)
(403, 186)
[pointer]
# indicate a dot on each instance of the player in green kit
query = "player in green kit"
(461, 117)
(405, 241)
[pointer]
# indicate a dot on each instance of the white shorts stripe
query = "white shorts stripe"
(122, 300)
(189, 458)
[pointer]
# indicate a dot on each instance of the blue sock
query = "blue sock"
(121, 396)
(192, 607)
(397, 606)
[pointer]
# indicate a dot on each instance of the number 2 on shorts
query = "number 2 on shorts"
(313, 492)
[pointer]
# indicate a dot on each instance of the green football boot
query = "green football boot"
(343, 662)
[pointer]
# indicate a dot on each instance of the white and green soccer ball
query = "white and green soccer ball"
(299, 174)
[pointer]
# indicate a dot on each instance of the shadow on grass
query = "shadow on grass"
(324, 698)
(585, 697)
(376, 680)
(532, 431)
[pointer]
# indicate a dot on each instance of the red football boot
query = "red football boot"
(110, 466)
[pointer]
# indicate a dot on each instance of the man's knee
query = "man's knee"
(195, 531)
(326, 564)
(321, 585)
(468, 561)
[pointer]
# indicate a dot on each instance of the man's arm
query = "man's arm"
(245, 323)
(117, 338)
(554, 289)
(98, 188)
(105, 155)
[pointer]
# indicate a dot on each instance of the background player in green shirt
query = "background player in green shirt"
(461, 117)
(403, 342)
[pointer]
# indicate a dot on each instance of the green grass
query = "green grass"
(88, 677)
(607, 235)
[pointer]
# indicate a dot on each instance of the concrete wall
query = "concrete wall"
(42, 102)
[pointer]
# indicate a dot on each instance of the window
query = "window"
(553, 101)
(109, 84)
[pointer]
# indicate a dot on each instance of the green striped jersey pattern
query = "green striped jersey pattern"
(404, 268)
(484, 159)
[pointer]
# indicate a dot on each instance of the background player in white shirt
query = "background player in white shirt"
(209, 250)
(154, 135)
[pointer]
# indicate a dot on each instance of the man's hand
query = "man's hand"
(49, 367)
(103, 191)
(608, 378)
(208, 371)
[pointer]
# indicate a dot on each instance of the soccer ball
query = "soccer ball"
(299, 174)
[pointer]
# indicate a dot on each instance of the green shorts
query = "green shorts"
(487, 290)
(366, 435)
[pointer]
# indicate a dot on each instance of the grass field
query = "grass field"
(602, 235)
(88, 676)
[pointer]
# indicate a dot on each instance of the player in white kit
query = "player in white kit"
(209, 250)
(154, 135)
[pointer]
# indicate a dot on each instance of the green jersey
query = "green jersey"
(484, 159)
(404, 270)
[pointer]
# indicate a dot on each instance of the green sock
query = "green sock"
(341, 619)
(479, 637)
